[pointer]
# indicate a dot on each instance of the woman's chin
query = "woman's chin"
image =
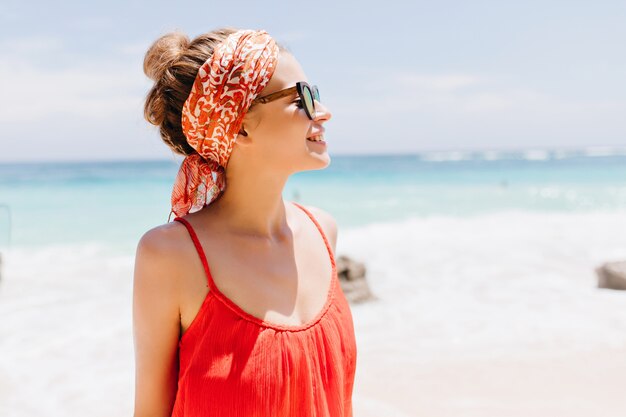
(323, 159)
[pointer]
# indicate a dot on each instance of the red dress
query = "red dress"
(232, 363)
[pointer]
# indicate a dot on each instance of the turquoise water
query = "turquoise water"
(116, 202)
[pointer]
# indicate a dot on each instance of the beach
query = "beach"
(513, 327)
(489, 331)
(479, 311)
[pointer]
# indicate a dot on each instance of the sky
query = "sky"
(398, 76)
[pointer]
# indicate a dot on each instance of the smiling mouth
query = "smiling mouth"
(318, 138)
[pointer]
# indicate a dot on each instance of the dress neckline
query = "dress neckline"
(215, 292)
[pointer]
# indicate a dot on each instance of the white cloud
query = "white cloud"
(57, 105)
(72, 107)
(31, 93)
(473, 95)
(442, 111)
(73, 86)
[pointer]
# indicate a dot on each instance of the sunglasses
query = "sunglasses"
(308, 94)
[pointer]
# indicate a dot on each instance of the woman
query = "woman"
(237, 308)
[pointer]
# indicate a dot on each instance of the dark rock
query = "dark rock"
(352, 278)
(612, 275)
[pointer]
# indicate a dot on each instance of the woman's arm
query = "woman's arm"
(156, 323)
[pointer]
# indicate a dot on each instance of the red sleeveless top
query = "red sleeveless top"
(232, 363)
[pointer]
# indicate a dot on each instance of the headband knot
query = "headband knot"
(225, 86)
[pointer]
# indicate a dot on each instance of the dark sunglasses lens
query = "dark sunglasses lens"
(308, 102)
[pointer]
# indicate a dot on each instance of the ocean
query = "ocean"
(480, 261)
(113, 203)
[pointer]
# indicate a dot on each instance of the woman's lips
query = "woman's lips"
(321, 142)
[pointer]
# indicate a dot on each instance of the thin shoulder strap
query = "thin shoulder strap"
(200, 251)
(330, 251)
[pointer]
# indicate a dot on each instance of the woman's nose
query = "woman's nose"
(322, 112)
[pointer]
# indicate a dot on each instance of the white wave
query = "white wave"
(483, 286)
(446, 156)
(536, 155)
(604, 151)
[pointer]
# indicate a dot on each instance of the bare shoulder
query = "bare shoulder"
(161, 257)
(162, 239)
(327, 222)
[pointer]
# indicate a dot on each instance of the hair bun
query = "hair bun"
(172, 62)
(163, 53)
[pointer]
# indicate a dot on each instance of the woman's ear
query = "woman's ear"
(242, 137)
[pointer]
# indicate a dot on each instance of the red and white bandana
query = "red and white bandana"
(240, 67)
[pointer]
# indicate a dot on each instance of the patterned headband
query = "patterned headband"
(226, 84)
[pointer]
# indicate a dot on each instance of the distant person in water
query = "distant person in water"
(237, 308)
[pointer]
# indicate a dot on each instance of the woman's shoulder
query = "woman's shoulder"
(164, 257)
(164, 238)
(327, 223)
